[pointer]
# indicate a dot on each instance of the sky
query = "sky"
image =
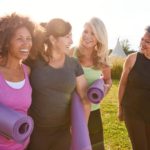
(124, 19)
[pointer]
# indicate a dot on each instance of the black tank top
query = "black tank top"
(136, 100)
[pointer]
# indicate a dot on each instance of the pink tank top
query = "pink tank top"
(17, 99)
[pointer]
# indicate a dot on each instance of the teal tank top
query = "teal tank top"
(91, 75)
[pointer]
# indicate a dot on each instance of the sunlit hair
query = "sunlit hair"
(8, 26)
(100, 55)
(147, 29)
(57, 28)
(38, 48)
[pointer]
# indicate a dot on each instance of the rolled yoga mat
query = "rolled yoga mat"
(15, 125)
(80, 134)
(96, 91)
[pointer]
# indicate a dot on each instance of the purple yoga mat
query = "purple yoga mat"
(80, 134)
(15, 125)
(96, 91)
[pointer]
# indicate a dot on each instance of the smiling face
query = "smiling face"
(63, 43)
(68, 40)
(145, 44)
(88, 39)
(20, 44)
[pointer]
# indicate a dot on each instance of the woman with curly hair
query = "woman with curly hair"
(92, 54)
(16, 34)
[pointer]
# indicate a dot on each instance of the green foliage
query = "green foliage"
(125, 45)
(117, 65)
(115, 133)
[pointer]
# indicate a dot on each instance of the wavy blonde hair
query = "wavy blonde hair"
(100, 55)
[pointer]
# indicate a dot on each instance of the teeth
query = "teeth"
(24, 50)
(88, 41)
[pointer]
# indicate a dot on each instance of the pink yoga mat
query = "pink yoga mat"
(80, 134)
(96, 91)
(15, 125)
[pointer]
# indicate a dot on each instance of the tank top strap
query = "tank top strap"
(139, 55)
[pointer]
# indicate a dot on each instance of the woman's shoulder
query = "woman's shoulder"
(34, 62)
(73, 62)
(74, 65)
(131, 59)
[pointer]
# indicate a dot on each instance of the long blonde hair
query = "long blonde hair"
(100, 56)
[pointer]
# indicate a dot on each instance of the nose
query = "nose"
(25, 42)
(145, 42)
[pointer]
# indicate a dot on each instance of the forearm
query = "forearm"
(120, 94)
(108, 85)
(120, 97)
(106, 71)
(81, 89)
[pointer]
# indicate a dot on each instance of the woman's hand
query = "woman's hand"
(106, 88)
(106, 71)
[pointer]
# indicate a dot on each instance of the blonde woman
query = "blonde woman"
(92, 53)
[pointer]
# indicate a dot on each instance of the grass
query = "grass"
(115, 133)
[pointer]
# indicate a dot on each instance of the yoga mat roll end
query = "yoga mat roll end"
(96, 91)
(14, 124)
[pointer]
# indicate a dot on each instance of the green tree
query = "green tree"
(125, 45)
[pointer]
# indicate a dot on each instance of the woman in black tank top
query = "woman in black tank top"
(134, 95)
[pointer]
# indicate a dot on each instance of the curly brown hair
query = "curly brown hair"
(38, 48)
(8, 25)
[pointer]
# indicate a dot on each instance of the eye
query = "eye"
(148, 42)
(29, 39)
(85, 31)
(19, 39)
